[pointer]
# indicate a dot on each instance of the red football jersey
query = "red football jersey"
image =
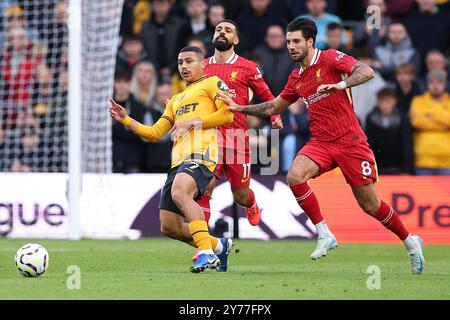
(242, 77)
(333, 118)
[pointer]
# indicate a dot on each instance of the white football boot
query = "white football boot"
(323, 245)
(416, 257)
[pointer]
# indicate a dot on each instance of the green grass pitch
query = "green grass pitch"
(159, 269)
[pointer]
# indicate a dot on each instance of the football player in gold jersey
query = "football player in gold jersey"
(193, 115)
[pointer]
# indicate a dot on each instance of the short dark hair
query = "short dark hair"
(122, 75)
(334, 26)
(386, 92)
(130, 37)
(195, 49)
(229, 21)
(306, 26)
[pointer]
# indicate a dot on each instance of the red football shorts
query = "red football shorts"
(236, 167)
(356, 162)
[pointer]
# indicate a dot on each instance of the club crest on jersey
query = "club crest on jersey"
(318, 76)
(222, 86)
(233, 76)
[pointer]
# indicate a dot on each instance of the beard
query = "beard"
(302, 56)
(222, 45)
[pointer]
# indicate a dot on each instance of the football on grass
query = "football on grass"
(31, 260)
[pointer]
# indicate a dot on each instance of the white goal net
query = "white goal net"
(34, 84)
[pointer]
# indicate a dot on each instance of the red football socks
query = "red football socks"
(390, 219)
(251, 199)
(307, 200)
(203, 202)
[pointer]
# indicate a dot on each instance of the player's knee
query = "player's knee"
(296, 177)
(169, 230)
(369, 207)
(241, 197)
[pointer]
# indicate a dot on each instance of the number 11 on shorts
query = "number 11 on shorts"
(246, 174)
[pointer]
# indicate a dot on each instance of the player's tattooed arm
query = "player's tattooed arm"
(265, 109)
(359, 74)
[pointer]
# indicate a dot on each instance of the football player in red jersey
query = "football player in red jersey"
(323, 81)
(242, 78)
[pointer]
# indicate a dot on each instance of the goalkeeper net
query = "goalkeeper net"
(34, 84)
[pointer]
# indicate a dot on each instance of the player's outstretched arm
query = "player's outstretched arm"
(151, 133)
(264, 109)
(359, 74)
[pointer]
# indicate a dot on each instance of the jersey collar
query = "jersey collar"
(314, 59)
(231, 59)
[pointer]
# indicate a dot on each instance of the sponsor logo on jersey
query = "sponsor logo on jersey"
(222, 86)
(259, 74)
(340, 56)
(187, 108)
(315, 97)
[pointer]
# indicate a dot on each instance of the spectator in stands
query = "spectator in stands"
(144, 82)
(54, 34)
(316, 12)
(406, 86)
(196, 41)
(365, 95)
(128, 149)
(274, 59)
(53, 126)
(429, 28)
(23, 146)
(399, 9)
(15, 20)
(234, 7)
(216, 13)
(197, 13)
(135, 14)
(397, 50)
(366, 34)
(163, 94)
(131, 52)
(334, 38)
(254, 22)
(163, 36)
(42, 91)
(434, 60)
(29, 149)
(430, 118)
(18, 64)
(389, 134)
(157, 154)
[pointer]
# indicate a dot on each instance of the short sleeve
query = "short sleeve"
(339, 60)
(257, 83)
(289, 93)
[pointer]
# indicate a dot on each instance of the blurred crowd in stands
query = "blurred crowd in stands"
(33, 86)
(404, 110)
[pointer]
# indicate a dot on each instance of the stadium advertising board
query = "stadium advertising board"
(117, 206)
